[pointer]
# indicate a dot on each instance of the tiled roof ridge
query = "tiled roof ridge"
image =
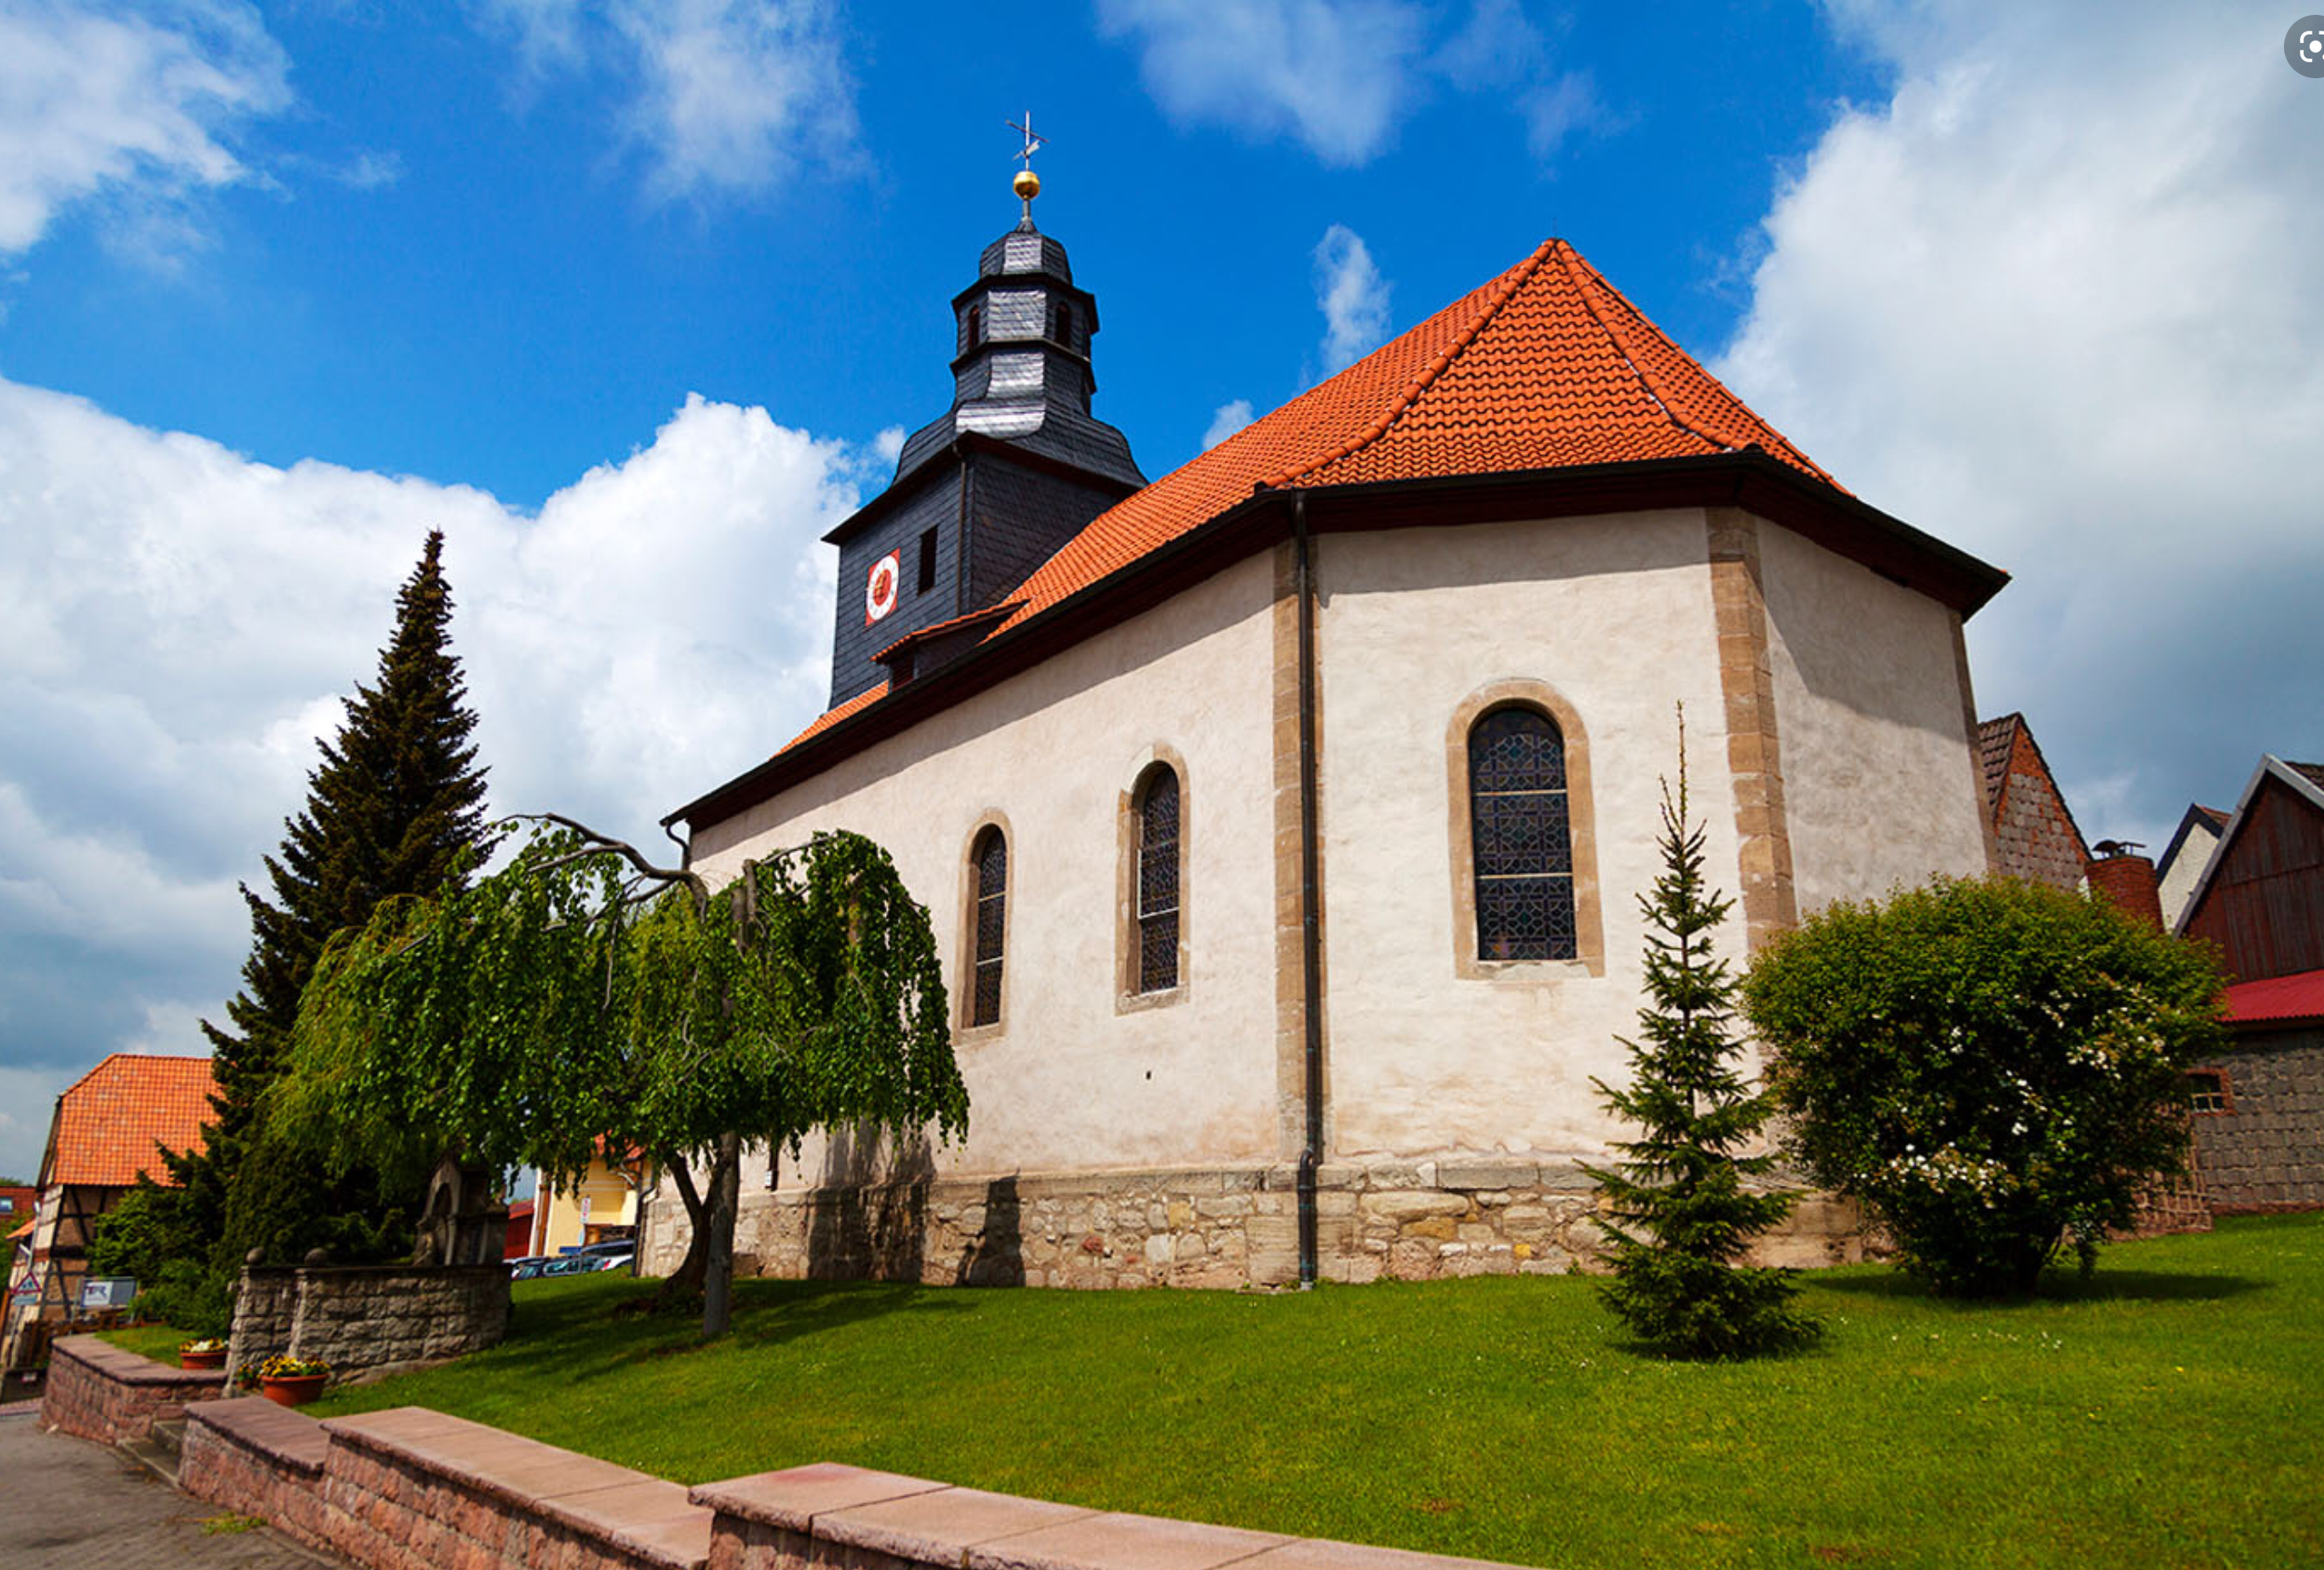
(1511, 281)
(1588, 289)
(99, 1066)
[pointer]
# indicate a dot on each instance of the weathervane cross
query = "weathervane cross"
(1032, 143)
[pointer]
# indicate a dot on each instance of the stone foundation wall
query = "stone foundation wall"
(1225, 1226)
(97, 1390)
(357, 1316)
(2266, 1151)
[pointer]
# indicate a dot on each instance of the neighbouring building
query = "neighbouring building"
(109, 1127)
(2035, 836)
(518, 1245)
(601, 1206)
(2185, 857)
(2259, 1112)
(1283, 819)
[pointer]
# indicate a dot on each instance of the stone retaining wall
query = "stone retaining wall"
(412, 1489)
(1223, 1226)
(98, 1390)
(254, 1458)
(357, 1316)
(846, 1516)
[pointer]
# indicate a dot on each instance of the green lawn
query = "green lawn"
(156, 1341)
(2169, 1412)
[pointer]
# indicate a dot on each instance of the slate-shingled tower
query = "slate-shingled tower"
(989, 490)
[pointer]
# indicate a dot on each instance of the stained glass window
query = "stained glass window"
(1519, 837)
(992, 895)
(1158, 881)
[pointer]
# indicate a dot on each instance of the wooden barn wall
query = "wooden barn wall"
(2265, 909)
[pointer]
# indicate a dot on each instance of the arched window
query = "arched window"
(1522, 843)
(1158, 817)
(992, 858)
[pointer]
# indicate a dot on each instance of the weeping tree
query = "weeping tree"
(582, 996)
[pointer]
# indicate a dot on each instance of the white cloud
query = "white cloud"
(726, 96)
(177, 624)
(1226, 420)
(1353, 296)
(1337, 75)
(2055, 300)
(138, 111)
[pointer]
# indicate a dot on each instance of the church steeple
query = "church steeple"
(988, 489)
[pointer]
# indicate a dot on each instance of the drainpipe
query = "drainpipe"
(1311, 931)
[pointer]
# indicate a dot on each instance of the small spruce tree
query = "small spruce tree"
(1682, 1217)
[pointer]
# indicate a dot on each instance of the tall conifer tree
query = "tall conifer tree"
(397, 799)
(1682, 1216)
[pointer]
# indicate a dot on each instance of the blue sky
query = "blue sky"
(630, 297)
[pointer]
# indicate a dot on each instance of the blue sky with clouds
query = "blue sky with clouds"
(631, 298)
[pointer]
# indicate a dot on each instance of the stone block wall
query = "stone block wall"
(2266, 1151)
(1223, 1227)
(357, 1316)
(412, 1489)
(254, 1458)
(98, 1390)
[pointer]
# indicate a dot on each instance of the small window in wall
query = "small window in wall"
(927, 560)
(974, 332)
(1065, 325)
(1520, 839)
(1158, 814)
(2208, 1091)
(991, 856)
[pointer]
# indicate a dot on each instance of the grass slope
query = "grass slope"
(2167, 1412)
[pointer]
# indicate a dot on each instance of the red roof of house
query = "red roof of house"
(20, 1232)
(1548, 365)
(2292, 999)
(110, 1123)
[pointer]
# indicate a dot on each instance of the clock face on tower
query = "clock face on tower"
(880, 587)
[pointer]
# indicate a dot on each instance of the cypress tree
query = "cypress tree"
(392, 808)
(1681, 1214)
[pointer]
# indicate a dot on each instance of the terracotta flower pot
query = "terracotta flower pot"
(202, 1360)
(294, 1390)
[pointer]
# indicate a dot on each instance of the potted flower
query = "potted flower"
(290, 1381)
(207, 1352)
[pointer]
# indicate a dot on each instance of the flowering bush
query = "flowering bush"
(284, 1366)
(203, 1344)
(1991, 1067)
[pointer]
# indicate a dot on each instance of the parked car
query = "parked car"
(526, 1269)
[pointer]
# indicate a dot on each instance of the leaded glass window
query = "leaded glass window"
(1158, 881)
(1519, 837)
(992, 895)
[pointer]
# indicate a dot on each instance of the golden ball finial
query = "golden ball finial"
(1027, 184)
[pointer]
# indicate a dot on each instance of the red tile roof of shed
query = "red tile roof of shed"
(110, 1123)
(2278, 1000)
(1545, 367)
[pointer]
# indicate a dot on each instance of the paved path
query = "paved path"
(66, 1504)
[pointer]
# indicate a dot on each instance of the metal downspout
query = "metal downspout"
(1311, 932)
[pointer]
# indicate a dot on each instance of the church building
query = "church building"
(1283, 819)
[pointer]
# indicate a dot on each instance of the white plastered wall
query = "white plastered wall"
(1067, 1080)
(1615, 615)
(1880, 779)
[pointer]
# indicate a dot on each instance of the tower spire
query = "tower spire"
(1027, 184)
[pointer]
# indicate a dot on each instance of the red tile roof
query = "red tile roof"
(1548, 365)
(1996, 739)
(2291, 1000)
(110, 1121)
